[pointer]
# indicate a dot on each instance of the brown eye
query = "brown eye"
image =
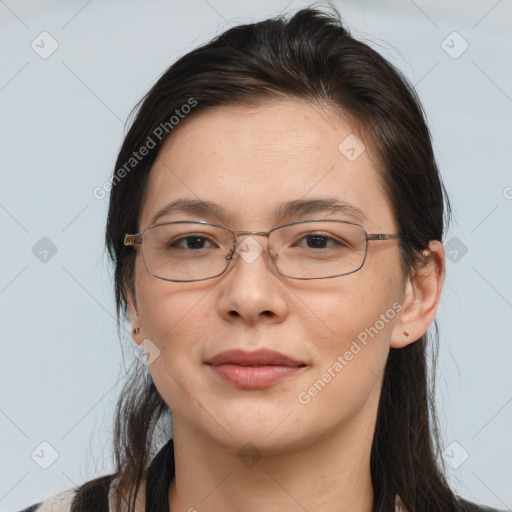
(193, 242)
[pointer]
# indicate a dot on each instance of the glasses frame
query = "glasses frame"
(138, 240)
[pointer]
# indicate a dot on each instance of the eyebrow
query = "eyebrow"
(192, 206)
(284, 212)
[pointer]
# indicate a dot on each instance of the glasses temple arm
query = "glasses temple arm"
(382, 236)
(132, 239)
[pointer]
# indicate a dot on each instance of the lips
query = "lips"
(252, 370)
(257, 358)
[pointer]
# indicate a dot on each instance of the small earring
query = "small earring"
(406, 334)
(136, 330)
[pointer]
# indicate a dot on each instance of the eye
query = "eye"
(193, 242)
(321, 241)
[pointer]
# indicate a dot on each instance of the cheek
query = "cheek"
(174, 320)
(352, 341)
(360, 338)
(349, 363)
(162, 304)
(170, 315)
(335, 315)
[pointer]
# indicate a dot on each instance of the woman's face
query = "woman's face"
(250, 162)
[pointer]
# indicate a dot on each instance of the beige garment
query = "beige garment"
(140, 503)
(60, 502)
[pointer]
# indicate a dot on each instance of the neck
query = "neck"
(330, 474)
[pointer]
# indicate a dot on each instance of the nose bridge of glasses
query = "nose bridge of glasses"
(249, 251)
(246, 234)
(255, 233)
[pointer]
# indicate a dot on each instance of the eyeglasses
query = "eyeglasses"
(186, 251)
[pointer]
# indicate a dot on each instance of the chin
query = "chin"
(255, 439)
(271, 432)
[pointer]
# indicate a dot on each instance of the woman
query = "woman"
(275, 222)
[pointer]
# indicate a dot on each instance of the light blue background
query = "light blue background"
(62, 124)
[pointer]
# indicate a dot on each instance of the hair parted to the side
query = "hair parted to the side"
(309, 56)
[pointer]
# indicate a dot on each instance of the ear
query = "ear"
(421, 298)
(133, 311)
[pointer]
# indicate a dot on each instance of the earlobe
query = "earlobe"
(421, 298)
(132, 306)
(403, 333)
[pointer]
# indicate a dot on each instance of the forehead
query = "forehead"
(250, 160)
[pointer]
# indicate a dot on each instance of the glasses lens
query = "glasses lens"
(186, 251)
(319, 249)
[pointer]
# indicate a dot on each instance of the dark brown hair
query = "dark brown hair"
(309, 56)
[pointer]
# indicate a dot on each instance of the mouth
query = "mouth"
(254, 370)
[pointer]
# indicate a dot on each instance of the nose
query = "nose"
(252, 289)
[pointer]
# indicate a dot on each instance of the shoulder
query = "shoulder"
(60, 502)
(92, 495)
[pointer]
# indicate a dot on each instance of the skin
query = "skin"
(249, 160)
